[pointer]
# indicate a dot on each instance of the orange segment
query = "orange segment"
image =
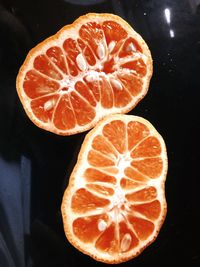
(87, 52)
(145, 194)
(72, 51)
(121, 97)
(136, 132)
(67, 121)
(106, 93)
(92, 34)
(94, 88)
(86, 228)
(135, 175)
(103, 190)
(142, 227)
(56, 55)
(151, 210)
(102, 145)
(149, 147)
(93, 175)
(149, 166)
(113, 31)
(101, 64)
(43, 106)
(43, 65)
(128, 184)
(115, 132)
(129, 45)
(108, 242)
(132, 83)
(82, 89)
(99, 160)
(78, 105)
(112, 209)
(36, 85)
(136, 65)
(83, 201)
(128, 239)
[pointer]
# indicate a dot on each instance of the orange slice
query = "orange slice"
(94, 67)
(114, 205)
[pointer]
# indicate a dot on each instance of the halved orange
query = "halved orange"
(114, 205)
(94, 67)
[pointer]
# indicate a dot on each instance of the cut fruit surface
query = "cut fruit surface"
(114, 205)
(94, 67)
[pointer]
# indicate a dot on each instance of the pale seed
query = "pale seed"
(102, 225)
(131, 48)
(101, 51)
(80, 61)
(116, 84)
(126, 242)
(49, 104)
(111, 46)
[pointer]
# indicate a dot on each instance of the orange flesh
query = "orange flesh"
(56, 72)
(150, 147)
(151, 210)
(135, 217)
(100, 144)
(123, 230)
(149, 166)
(133, 174)
(92, 175)
(107, 191)
(68, 117)
(115, 133)
(107, 241)
(128, 184)
(86, 228)
(146, 194)
(142, 227)
(83, 201)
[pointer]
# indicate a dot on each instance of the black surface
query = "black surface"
(172, 105)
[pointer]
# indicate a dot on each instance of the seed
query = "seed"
(80, 60)
(126, 242)
(101, 51)
(131, 47)
(116, 84)
(49, 104)
(111, 46)
(102, 225)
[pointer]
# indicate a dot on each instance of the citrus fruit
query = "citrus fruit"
(114, 205)
(94, 67)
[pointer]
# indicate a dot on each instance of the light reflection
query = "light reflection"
(167, 15)
(171, 33)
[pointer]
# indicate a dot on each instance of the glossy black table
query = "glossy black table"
(34, 164)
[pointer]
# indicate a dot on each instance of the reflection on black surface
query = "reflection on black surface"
(171, 29)
(167, 15)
